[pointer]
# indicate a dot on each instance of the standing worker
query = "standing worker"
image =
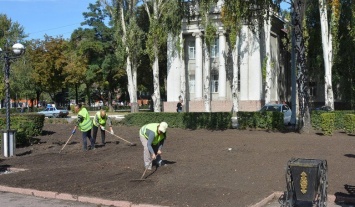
(84, 123)
(152, 137)
(100, 120)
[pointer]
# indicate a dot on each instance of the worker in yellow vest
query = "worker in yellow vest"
(100, 120)
(84, 123)
(152, 137)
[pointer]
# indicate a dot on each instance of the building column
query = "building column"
(222, 75)
(199, 65)
(174, 67)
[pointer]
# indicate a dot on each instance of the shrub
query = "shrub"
(194, 120)
(270, 120)
(328, 120)
(26, 125)
(349, 123)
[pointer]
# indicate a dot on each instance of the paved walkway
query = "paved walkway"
(17, 197)
(19, 200)
(20, 197)
(272, 201)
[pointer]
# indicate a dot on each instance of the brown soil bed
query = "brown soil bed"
(201, 170)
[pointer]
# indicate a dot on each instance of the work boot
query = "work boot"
(148, 167)
(161, 163)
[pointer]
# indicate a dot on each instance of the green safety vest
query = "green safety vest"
(86, 124)
(154, 128)
(102, 121)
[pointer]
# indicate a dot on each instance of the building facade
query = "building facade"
(185, 75)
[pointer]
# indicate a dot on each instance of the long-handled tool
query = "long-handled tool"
(146, 168)
(66, 143)
(130, 143)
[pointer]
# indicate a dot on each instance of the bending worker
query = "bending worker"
(152, 137)
(100, 120)
(84, 123)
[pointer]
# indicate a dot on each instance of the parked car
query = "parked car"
(52, 111)
(324, 108)
(281, 108)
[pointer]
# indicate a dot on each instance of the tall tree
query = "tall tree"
(128, 37)
(302, 74)
(255, 14)
(10, 33)
(327, 43)
(48, 61)
(97, 45)
(163, 16)
(210, 32)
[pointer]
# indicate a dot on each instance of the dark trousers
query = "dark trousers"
(86, 135)
(94, 134)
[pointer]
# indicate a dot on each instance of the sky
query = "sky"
(51, 17)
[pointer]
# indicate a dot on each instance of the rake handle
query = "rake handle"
(66, 143)
(119, 137)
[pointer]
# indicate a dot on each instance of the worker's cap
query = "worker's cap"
(163, 126)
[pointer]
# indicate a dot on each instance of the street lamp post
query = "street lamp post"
(8, 56)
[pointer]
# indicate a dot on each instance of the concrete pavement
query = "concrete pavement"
(22, 197)
(272, 201)
(19, 197)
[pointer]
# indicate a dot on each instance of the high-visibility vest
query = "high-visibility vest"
(86, 124)
(154, 128)
(102, 121)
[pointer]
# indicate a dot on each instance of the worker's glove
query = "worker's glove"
(73, 132)
(112, 132)
(102, 128)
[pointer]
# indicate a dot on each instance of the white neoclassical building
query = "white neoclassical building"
(185, 70)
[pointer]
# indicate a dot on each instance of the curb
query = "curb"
(277, 194)
(69, 197)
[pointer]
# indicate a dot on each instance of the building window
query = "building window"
(192, 84)
(215, 49)
(312, 89)
(192, 51)
(214, 83)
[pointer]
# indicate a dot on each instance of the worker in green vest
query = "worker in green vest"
(100, 120)
(152, 137)
(84, 123)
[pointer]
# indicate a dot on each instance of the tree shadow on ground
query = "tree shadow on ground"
(45, 133)
(346, 199)
(350, 155)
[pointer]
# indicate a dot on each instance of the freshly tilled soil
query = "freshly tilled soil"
(204, 168)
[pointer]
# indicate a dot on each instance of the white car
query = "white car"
(281, 108)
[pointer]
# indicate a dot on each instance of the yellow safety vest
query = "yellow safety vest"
(154, 128)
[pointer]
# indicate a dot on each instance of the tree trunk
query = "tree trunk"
(327, 54)
(156, 85)
(132, 85)
(268, 75)
(182, 75)
(302, 75)
(235, 94)
(207, 79)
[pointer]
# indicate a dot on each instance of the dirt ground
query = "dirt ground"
(201, 170)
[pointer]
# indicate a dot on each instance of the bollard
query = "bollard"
(8, 143)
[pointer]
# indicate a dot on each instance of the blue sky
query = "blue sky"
(51, 17)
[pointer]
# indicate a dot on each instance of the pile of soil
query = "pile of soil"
(204, 168)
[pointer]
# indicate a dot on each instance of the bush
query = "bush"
(349, 123)
(270, 120)
(194, 120)
(328, 120)
(316, 119)
(26, 125)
